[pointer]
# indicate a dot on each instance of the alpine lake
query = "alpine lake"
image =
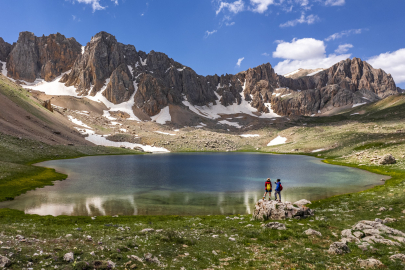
(185, 184)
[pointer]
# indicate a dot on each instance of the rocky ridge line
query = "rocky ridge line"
(154, 80)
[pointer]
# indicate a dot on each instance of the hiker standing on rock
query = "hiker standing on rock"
(267, 188)
(279, 188)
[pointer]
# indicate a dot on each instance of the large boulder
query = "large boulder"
(274, 210)
(387, 159)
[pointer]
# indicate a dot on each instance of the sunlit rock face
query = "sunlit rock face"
(44, 57)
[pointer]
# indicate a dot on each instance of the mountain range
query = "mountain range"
(148, 84)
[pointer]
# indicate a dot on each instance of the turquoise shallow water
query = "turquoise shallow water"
(185, 184)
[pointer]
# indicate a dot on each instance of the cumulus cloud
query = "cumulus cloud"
(307, 53)
(208, 33)
(288, 66)
(391, 62)
(234, 7)
(300, 49)
(343, 34)
(310, 19)
(261, 6)
(115, 2)
(343, 48)
(335, 2)
(95, 4)
(239, 61)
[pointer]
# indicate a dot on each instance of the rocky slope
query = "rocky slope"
(44, 57)
(153, 81)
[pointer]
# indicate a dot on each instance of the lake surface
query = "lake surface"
(185, 184)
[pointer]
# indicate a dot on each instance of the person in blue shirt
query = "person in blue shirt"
(278, 189)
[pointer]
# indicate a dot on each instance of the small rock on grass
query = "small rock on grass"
(68, 257)
(369, 263)
(398, 257)
(275, 226)
(338, 248)
(148, 230)
(4, 261)
(312, 232)
(232, 239)
(151, 259)
(382, 209)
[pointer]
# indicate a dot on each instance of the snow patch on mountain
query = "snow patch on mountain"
(163, 116)
(277, 141)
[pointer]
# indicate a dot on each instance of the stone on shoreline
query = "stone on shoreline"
(387, 159)
(274, 210)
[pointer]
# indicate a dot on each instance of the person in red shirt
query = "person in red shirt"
(268, 188)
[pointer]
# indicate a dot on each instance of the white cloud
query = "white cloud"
(343, 48)
(95, 4)
(288, 66)
(115, 2)
(261, 6)
(208, 33)
(229, 24)
(307, 53)
(300, 49)
(310, 19)
(343, 33)
(265, 54)
(391, 62)
(335, 2)
(240, 61)
(234, 7)
(74, 17)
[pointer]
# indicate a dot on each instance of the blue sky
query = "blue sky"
(218, 37)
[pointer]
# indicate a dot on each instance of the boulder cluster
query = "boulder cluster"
(367, 233)
(275, 210)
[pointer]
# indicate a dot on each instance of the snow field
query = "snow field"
(249, 135)
(277, 141)
(163, 116)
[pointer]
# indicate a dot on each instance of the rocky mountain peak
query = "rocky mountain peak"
(101, 57)
(5, 49)
(43, 57)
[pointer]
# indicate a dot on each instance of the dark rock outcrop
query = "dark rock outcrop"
(101, 57)
(5, 49)
(47, 104)
(43, 57)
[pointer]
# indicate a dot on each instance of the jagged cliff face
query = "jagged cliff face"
(121, 73)
(5, 49)
(43, 57)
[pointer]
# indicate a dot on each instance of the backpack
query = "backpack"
(281, 187)
(268, 186)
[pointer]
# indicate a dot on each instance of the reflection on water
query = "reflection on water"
(184, 184)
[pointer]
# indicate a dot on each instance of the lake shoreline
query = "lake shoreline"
(52, 175)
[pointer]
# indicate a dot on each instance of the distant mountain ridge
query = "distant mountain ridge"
(153, 81)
